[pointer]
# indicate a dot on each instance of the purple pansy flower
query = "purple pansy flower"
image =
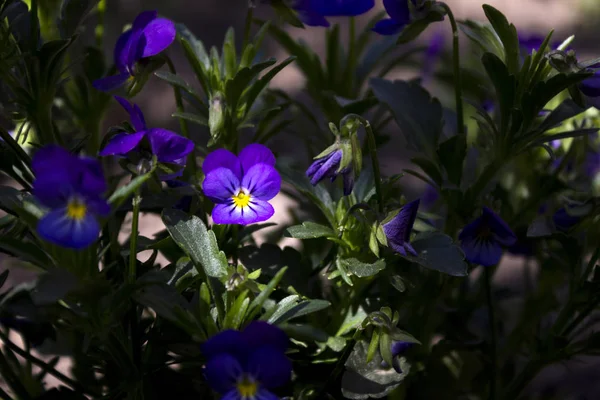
(167, 146)
(399, 17)
(314, 12)
(248, 364)
(241, 185)
(482, 239)
(533, 41)
(72, 188)
(397, 231)
(398, 348)
(563, 221)
(328, 167)
(148, 36)
(591, 89)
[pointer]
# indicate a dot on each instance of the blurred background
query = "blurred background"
(210, 19)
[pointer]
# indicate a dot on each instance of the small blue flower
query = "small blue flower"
(397, 231)
(148, 36)
(398, 348)
(241, 185)
(328, 166)
(71, 187)
(247, 365)
(167, 146)
(399, 13)
(482, 239)
(314, 12)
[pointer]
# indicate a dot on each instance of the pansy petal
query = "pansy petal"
(157, 36)
(591, 86)
(255, 154)
(50, 158)
(222, 372)
(471, 230)
(260, 333)
(482, 252)
(220, 185)
(313, 19)
(88, 177)
(398, 10)
(348, 182)
(121, 53)
(98, 206)
(502, 232)
(56, 227)
(337, 8)
(122, 143)
(269, 366)
(111, 83)
(262, 182)
(264, 394)
(169, 146)
(222, 158)
(137, 41)
(327, 168)
(399, 228)
(233, 394)
(256, 211)
(228, 341)
(135, 114)
(388, 27)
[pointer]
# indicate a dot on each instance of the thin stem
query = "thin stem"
(492, 326)
(132, 273)
(248, 26)
(374, 161)
(99, 31)
(457, 75)
(44, 366)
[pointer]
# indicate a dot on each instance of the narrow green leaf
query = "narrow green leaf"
(258, 302)
(310, 230)
(362, 269)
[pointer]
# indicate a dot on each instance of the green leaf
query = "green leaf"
(229, 54)
(508, 35)
(361, 269)
(429, 168)
(178, 82)
(26, 251)
(564, 135)
(292, 307)
(418, 115)
(310, 230)
(565, 110)
(452, 154)
(385, 348)
(484, 36)
(256, 89)
(124, 192)
(258, 302)
(505, 85)
(438, 252)
(373, 345)
(235, 315)
(196, 55)
(72, 13)
(195, 118)
(435, 13)
(199, 243)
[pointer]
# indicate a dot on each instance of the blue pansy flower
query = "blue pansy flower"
(247, 365)
(590, 88)
(314, 12)
(482, 240)
(241, 185)
(398, 348)
(399, 17)
(148, 36)
(328, 166)
(72, 188)
(167, 146)
(397, 231)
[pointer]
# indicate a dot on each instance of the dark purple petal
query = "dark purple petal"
(135, 114)
(111, 83)
(98, 206)
(255, 154)
(122, 143)
(262, 182)
(563, 221)
(398, 10)
(400, 347)
(398, 229)
(89, 177)
(157, 36)
(502, 232)
(52, 166)
(311, 18)
(472, 229)
(220, 185)
(169, 146)
(260, 333)
(222, 372)
(341, 8)
(228, 341)
(388, 27)
(591, 86)
(56, 227)
(348, 182)
(482, 252)
(222, 158)
(324, 167)
(269, 366)
(51, 158)
(122, 52)
(264, 394)
(233, 394)
(137, 41)
(532, 42)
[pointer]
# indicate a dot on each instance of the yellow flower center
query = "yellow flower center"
(247, 388)
(76, 210)
(241, 199)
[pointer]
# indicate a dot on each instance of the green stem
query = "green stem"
(132, 273)
(248, 26)
(492, 326)
(457, 75)
(44, 366)
(374, 160)
(99, 31)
